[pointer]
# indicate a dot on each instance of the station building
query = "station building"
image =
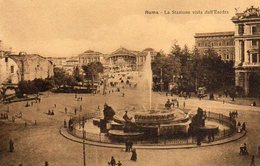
(247, 50)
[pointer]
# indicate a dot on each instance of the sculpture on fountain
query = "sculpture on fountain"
(109, 114)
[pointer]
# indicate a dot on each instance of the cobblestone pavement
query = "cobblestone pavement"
(42, 142)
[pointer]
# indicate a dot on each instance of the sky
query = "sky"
(70, 27)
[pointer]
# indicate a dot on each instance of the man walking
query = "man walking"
(252, 161)
(11, 145)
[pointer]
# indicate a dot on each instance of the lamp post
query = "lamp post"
(83, 141)
(161, 81)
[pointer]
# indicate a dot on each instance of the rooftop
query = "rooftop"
(215, 34)
(251, 13)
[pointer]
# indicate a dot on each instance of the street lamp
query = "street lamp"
(161, 81)
(83, 141)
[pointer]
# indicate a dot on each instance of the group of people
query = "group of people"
(133, 157)
(240, 127)
(243, 149)
(128, 146)
(233, 114)
(4, 116)
(51, 112)
(169, 103)
(113, 162)
(36, 101)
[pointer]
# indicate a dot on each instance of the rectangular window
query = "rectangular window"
(12, 69)
(254, 31)
(227, 57)
(6, 59)
(241, 29)
(254, 42)
(254, 57)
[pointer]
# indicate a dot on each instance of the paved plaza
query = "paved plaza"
(35, 144)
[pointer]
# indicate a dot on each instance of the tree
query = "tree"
(59, 77)
(71, 81)
(92, 70)
(76, 74)
(27, 87)
(43, 84)
(212, 72)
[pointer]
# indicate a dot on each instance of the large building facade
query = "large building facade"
(32, 66)
(9, 71)
(120, 59)
(91, 56)
(123, 58)
(221, 42)
(247, 50)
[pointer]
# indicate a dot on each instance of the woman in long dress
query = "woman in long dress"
(134, 155)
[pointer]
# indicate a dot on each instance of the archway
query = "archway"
(254, 84)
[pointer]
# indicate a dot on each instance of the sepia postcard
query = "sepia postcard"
(129, 83)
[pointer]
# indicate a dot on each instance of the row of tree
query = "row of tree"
(190, 70)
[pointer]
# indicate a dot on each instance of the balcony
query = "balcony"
(251, 64)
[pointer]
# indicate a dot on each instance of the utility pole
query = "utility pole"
(83, 141)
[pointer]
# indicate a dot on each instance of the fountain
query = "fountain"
(149, 121)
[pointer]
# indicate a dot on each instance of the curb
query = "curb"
(153, 147)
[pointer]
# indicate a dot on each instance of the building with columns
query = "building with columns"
(247, 50)
(91, 56)
(127, 59)
(221, 42)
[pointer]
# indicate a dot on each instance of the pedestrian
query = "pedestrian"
(65, 123)
(119, 163)
(244, 126)
(27, 104)
(209, 138)
(46, 163)
(134, 155)
(11, 145)
(52, 112)
(184, 104)
(112, 161)
(54, 105)
(252, 161)
(25, 124)
(130, 146)
(49, 112)
(177, 104)
(13, 119)
(65, 110)
(126, 146)
(75, 111)
(35, 123)
(80, 107)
